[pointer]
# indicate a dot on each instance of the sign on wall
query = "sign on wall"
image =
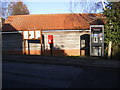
(37, 34)
(25, 34)
(82, 43)
(29, 35)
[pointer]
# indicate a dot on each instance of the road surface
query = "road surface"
(27, 75)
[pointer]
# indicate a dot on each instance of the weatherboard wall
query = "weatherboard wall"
(65, 43)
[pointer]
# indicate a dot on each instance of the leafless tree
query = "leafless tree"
(87, 6)
(4, 6)
(0, 9)
(10, 7)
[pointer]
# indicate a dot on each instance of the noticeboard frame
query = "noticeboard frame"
(24, 40)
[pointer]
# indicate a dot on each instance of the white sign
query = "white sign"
(25, 34)
(31, 34)
(82, 43)
(37, 33)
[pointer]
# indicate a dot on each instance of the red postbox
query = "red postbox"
(50, 39)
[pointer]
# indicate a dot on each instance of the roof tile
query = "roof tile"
(49, 21)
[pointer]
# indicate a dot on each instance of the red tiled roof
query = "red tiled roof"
(50, 21)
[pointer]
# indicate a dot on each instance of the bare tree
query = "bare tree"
(87, 6)
(0, 9)
(9, 8)
(4, 6)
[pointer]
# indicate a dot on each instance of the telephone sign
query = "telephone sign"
(96, 29)
(50, 39)
(97, 40)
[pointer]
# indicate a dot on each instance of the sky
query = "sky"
(48, 7)
(53, 6)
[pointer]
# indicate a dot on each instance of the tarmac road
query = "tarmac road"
(28, 75)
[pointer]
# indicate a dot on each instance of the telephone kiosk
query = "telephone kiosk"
(97, 40)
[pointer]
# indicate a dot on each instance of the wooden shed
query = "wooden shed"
(67, 30)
